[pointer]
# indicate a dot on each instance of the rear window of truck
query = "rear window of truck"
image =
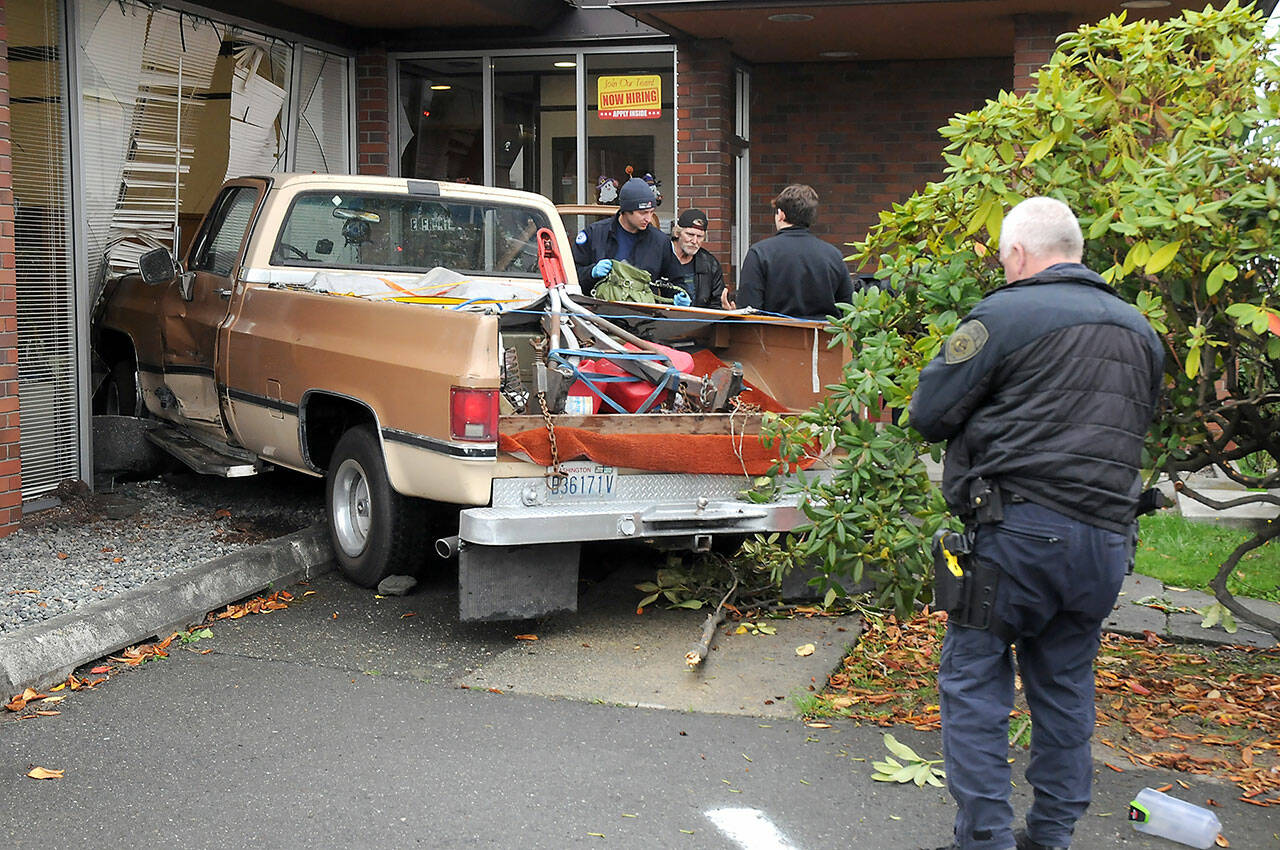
(374, 232)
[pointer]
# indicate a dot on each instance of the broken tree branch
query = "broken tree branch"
(695, 656)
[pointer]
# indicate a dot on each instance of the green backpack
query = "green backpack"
(625, 282)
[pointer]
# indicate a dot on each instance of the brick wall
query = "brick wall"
(373, 123)
(704, 134)
(1034, 38)
(865, 135)
(10, 463)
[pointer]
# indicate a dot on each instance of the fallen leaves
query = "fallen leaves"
(45, 773)
(135, 655)
(276, 601)
(526, 637)
(1197, 710)
(19, 702)
(805, 650)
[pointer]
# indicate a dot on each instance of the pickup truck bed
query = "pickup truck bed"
(314, 326)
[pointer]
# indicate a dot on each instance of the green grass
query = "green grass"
(1187, 554)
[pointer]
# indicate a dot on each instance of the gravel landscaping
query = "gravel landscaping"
(92, 546)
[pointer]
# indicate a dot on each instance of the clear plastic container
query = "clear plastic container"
(1168, 817)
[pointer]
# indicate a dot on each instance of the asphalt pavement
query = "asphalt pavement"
(357, 720)
(341, 722)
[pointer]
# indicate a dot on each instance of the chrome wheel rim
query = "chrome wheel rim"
(350, 508)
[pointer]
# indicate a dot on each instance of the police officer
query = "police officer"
(703, 275)
(794, 272)
(1044, 394)
(626, 236)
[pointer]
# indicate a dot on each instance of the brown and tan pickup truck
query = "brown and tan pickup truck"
(392, 335)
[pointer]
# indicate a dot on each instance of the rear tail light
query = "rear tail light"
(473, 414)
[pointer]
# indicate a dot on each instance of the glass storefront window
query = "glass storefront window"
(533, 120)
(630, 122)
(442, 120)
(533, 100)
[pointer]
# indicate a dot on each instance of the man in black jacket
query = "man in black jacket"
(703, 275)
(626, 236)
(1044, 394)
(794, 272)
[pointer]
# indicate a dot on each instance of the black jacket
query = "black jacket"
(708, 279)
(1046, 389)
(794, 273)
(599, 241)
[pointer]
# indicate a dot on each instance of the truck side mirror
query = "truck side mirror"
(157, 266)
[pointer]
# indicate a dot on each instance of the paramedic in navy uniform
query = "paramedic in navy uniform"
(626, 236)
(1044, 394)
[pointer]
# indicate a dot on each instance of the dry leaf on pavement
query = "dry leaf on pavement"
(807, 649)
(44, 773)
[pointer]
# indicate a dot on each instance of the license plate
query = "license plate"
(583, 480)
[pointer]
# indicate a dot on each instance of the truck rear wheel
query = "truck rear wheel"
(376, 532)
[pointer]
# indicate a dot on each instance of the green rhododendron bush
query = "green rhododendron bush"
(1162, 137)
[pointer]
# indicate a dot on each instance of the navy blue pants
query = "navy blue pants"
(1059, 580)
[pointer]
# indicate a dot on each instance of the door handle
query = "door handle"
(225, 293)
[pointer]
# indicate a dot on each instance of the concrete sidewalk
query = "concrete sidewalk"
(45, 653)
(1145, 604)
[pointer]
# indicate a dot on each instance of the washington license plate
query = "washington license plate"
(583, 480)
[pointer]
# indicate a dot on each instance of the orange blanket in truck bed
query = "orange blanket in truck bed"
(713, 454)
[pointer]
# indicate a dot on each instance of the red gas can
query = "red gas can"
(632, 393)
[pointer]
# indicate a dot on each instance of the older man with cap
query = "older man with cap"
(703, 276)
(626, 236)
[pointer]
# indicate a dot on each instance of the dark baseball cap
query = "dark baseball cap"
(693, 218)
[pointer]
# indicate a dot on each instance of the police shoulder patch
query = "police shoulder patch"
(581, 238)
(966, 342)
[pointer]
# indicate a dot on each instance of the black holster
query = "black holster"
(963, 585)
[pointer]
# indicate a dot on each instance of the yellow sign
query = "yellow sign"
(629, 97)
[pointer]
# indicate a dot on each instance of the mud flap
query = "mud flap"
(517, 582)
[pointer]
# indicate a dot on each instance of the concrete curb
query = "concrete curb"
(47, 653)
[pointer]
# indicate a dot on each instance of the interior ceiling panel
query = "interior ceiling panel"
(932, 29)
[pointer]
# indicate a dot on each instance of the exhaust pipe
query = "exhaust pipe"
(447, 547)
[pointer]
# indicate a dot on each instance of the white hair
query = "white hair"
(1044, 227)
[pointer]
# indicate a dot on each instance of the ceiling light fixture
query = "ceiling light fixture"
(790, 18)
(565, 64)
(441, 87)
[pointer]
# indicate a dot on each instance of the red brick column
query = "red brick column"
(704, 131)
(373, 122)
(10, 451)
(1034, 39)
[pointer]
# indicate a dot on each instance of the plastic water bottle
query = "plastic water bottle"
(1168, 817)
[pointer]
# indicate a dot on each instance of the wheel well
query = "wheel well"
(109, 348)
(114, 346)
(324, 419)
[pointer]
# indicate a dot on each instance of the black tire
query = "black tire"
(118, 395)
(375, 531)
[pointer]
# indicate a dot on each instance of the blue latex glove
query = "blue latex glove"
(682, 299)
(601, 269)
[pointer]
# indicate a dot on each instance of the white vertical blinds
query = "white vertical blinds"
(257, 140)
(46, 302)
(324, 115)
(155, 91)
